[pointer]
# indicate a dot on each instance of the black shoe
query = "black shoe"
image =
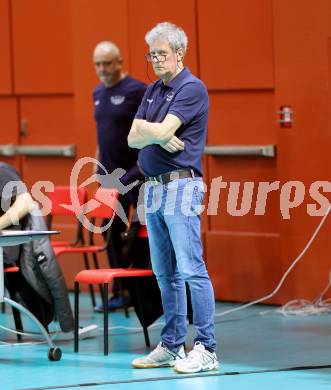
(114, 303)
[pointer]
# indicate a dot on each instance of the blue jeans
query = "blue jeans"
(173, 222)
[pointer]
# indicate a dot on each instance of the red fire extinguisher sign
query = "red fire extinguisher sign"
(285, 116)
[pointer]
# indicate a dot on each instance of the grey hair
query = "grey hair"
(108, 46)
(169, 32)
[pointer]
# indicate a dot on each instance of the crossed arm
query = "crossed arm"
(145, 133)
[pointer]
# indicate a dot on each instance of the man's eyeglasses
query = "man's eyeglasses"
(150, 57)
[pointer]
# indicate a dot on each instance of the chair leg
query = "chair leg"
(87, 266)
(101, 294)
(16, 313)
(141, 312)
(105, 320)
(95, 261)
(76, 318)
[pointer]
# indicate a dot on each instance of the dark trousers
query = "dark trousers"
(115, 251)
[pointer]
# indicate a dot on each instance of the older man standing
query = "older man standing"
(116, 101)
(170, 131)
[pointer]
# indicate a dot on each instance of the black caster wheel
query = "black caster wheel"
(54, 354)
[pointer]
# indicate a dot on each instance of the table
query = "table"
(17, 237)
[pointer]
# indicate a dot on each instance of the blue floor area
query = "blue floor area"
(260, 347)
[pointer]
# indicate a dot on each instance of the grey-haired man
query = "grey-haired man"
(170, 131)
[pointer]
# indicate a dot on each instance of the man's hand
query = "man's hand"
(158, 132)
(145, 133)
(173, 145)
(139, 124)
(19, 209)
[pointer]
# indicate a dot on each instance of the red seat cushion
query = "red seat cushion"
(99, 276)
(58, 250)
(60, 243)
(11, 269)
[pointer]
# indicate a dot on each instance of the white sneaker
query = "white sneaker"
(85, 332)
(199, 359)
(88, 331)
(160, 357)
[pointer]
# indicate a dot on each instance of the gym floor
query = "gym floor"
(258, 349)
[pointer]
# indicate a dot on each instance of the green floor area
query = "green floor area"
(257, 347)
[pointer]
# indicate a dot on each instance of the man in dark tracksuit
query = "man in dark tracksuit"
(116, 100)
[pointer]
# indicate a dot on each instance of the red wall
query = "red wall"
(253, 56)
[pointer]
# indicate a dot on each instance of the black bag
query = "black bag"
(42, 271)
(16, 282)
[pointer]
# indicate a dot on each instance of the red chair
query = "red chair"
(103, 205)
(62, 196)
(104, 277)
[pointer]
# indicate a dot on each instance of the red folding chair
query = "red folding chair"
(106, 276)
(62, 195)
(102, 205)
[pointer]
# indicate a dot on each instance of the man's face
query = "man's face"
(163, 58)
(107, 66)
